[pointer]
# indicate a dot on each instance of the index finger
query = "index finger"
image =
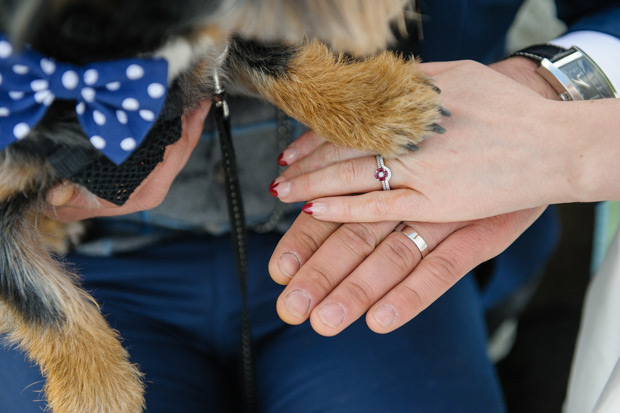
(297, 245)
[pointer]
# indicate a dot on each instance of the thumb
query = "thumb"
(60, 194)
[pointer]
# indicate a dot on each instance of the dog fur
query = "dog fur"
(291, 53)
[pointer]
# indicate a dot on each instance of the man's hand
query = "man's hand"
(336, 273)
(68, 203)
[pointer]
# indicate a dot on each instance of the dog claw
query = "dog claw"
(438, 129)
(436, 88)
(445, 112)
(411, 147)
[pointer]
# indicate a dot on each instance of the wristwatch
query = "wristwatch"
(571, 72)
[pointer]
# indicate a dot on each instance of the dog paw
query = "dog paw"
(391, 108)
(382, 104)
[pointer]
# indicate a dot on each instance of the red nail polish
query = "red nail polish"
(307, 208)
(281, 161)
(272, 188)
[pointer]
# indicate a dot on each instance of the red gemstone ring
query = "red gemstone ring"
(383, 173)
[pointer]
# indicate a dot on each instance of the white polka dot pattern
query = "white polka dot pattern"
(99, 118)
(21, 130)
(98, 142)
(80, 108)
(91, 76)
(48, 66)
(128, 144)
(147, 115)
(113, 86)
(116, 101)
(44, 97)
(70, 79)
(39, 85)
(122, 116)
(130, 104)
(134, 72)
(5, 49)
(88, 93)
(20, 69)
(156, 90)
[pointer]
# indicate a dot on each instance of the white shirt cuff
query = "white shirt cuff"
(603, 48)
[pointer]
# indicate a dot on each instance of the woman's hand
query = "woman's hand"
(496, 157)
(68, 203)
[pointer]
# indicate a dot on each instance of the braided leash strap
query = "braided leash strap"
(240, 242)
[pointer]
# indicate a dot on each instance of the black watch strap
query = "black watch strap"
(539, 52)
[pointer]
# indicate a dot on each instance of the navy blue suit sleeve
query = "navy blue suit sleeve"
(600, 16)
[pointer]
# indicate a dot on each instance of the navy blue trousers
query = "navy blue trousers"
(177, 307)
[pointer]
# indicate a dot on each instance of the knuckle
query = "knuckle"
(377, 206)
(348, 172)
(345, 210)
(359, 292)
(471, 64)
(330, 153)
(319, 279)
(300, 184)
(359, 238)
(307, 240)
(401, 253)
(410, 298)
(443, 270)
(293, 170)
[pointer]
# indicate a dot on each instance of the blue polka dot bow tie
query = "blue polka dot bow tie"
(117, 102)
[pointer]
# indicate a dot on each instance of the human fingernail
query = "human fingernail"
(287, 157)
(385, 315)
(280, 189)
(59, 195)
(289, 263)
(313, 208)
(272, 186)
(298, 303)
(331, 314)
(307, 208)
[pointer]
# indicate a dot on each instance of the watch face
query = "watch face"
(586, 78)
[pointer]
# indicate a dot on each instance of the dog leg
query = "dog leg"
(381, 104)
(59, 326)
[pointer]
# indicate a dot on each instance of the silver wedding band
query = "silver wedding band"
(413, 235)
(383, 173)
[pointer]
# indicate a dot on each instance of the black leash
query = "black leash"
(239, 237)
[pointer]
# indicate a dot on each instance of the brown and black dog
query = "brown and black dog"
(317, 60)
